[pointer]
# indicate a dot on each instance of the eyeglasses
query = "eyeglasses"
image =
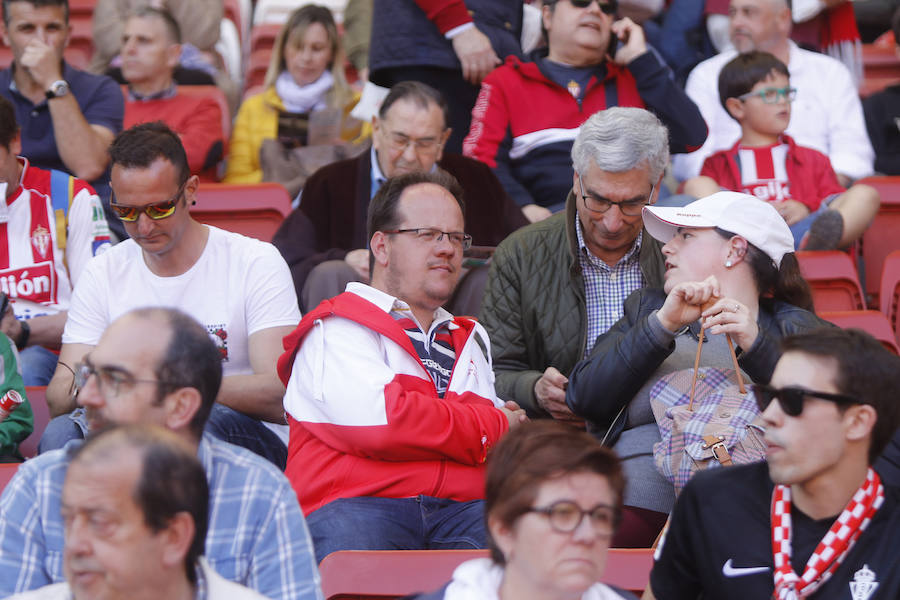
(432, 236)
(630, 208)
(110, 380)
(565, 516)
(608, 8)
(772, 95)
(791, 398)
(400, 142)
(157, 211)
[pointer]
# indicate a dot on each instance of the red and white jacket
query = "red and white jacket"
(365, 418)
(37, 275)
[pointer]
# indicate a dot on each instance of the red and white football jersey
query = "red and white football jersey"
(763, 172)
(36, 274)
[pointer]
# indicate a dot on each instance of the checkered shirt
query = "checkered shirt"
(257, 535)
(605, 287)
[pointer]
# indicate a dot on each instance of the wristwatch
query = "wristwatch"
(57, 89)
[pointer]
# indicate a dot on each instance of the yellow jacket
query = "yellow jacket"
(257, 120)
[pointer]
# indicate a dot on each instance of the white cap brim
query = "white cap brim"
(662, 222)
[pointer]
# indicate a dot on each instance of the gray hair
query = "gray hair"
(620, 139)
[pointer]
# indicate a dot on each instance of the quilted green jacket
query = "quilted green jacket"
(534, 305)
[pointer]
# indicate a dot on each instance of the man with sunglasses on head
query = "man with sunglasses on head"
(238, 288)
(815, 520)
(159, 367)
(556, 285)
(528, 113)
(390, 398)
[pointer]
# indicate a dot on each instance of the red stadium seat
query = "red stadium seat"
(881, 238)
(364, 574)
(7, 470)
(871, 321)
(255, 210)
(889, 295)
(37, 398)
(833, 278)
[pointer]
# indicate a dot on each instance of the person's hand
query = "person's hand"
(535, 212)
(550, 392)
(684, 303)
(474, 51)
(731, 317)
(41, 62)
(359, 260)
(634, 43)
(791, 210)
(9, 324)
(514, 414)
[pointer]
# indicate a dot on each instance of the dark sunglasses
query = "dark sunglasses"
(608, 8)
(791, 398)
(157, 211)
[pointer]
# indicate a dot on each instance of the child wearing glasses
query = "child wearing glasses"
(755, 90)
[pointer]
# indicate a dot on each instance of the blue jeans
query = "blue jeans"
(38, 365)
(62, 429)
(237, 428)
(801, 227)
(420, 523)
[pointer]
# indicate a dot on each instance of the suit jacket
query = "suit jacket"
(331, 219)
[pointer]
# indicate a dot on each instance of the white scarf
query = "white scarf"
(306, 98)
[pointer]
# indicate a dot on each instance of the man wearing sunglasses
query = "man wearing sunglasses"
(528, 113)
(239, 288)
(815, 520)
(827, 115)
(390, 398)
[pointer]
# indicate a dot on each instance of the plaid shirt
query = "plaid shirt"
(605, 287)
(257, 535)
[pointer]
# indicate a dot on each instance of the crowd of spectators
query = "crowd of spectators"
(453, 339)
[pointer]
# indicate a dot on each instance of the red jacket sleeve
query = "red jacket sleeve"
(445, 14)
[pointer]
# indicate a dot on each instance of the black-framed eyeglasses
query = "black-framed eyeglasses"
(110, 380)
(565, 516)
(157, 211)
(433, 236)
(791, 398)
(608, 8)
(630, 208)
(772, 95)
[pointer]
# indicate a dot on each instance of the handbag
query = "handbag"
(705, 420)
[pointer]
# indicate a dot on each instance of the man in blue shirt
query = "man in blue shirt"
(256, 536)
(68, 117)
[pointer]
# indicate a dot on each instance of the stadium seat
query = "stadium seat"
(37, 398)
(889, 294)
(881, 238)
(365, 574)
(217, 95)
(256, 69)
(277, 11)
(7, 470)
(872, 321)
(833, 278)
(255, 210)
(230, 49)
(262, 37)
(81, 8)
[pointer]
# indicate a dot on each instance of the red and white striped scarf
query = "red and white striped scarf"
(833, 547)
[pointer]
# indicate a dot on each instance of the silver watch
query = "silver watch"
(57, 88)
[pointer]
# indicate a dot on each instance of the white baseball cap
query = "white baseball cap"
(753, 219)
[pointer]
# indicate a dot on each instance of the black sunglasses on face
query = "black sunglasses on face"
(608, 8)
(791, 398)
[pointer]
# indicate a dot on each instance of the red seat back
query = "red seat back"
(881, 238)
(7, 470)
(871, 321)
(833, 278)
(37, 398)
(395, 573)
(255, 210)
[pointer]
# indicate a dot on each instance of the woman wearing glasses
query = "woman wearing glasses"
(305, 82)
(552, 501)
(730, 263)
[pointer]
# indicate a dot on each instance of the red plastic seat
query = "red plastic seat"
(37, 398)
(363, 574)
(7, 470)
(889, 294)
(255, 210)
(833, 278)
(881, 238)
(257, 66)
(871, 321)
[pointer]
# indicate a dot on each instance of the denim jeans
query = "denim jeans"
(62, 429)
(237, 428)
(38, 365)
(420, 523)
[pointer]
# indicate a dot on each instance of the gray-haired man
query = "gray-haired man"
(556, 285)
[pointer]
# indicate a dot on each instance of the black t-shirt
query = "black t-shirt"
(719, 544)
